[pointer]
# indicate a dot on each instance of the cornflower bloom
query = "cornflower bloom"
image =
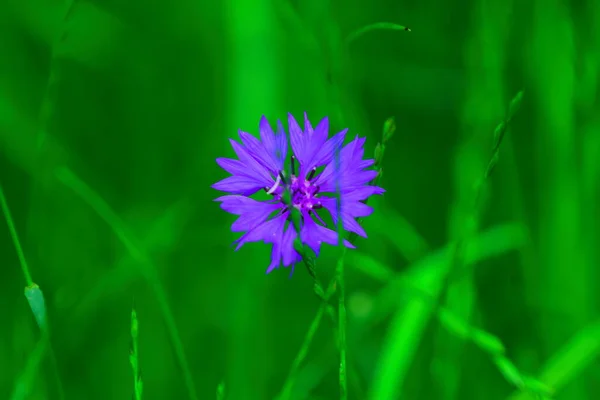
(261, 166)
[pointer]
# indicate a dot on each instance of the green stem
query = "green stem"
(30, 285)
(15, 238)
(342, 327)
(340, 282)
(310, 334)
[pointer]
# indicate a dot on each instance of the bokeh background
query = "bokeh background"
(112, 114)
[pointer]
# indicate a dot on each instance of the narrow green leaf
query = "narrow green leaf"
(510, 372)
(25, 382)
(221, 391)
(487, 342)
(515, 105)
(374, 27)
(570, 361)
(138, 384)
(389, 128)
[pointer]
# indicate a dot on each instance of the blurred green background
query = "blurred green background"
(112, 114)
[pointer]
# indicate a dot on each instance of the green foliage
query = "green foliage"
(479, 277)
(134, 360)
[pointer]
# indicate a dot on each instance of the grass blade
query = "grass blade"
(148, 270)
(37, 304)
(26, 380)
(221, 391)
(138, 384)
(568, 362)
(15, 238)
(387, 26)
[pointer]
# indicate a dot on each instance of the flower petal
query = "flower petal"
(279, 152)
(365, 164)
(239, 205)
(326, 152)
(272, 151)
(313, 234)
(289, 254)
(349, 181)
(239, 185)
(266, 134)
(351, 209)
(296, 137)
(267, 232)
(257, 150)
(234, 167)
(328, 174)
(252, 212)
(275, 257)
(315, 139)
(307, 126)
(352, 225)
(283, 251)
(351, 171)
(255, 168)
(363, 193)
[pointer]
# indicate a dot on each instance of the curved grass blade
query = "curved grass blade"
(147, 268)
(15, 238)
(54, 76)
(138, 384)
(387, 26)
(26, 380)
(37, 304)
(162, 233)
(410, 321)
(568, 362)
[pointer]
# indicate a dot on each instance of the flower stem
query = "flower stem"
(15, 238)
(340, 280)
(312, 330)
(36, 301)
(342, 326)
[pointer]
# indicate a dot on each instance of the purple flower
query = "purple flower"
(261, 166)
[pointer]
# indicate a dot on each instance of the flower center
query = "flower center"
(303, 193)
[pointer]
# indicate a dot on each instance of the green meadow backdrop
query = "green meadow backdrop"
(471, 285)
